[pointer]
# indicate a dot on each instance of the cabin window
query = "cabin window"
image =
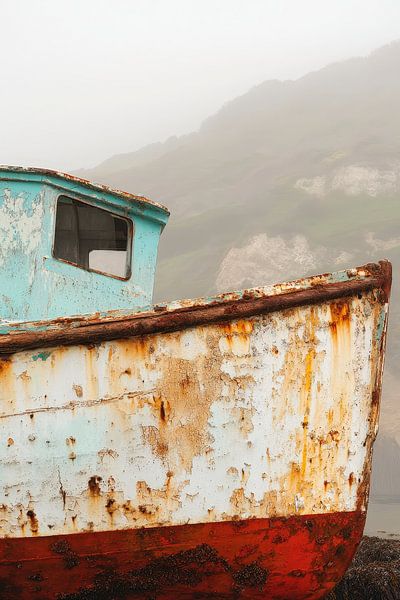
(92, 238)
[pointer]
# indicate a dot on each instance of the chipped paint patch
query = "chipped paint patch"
(41, 356)
(19, 224)
(380, 329)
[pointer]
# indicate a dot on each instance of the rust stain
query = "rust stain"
(138, 349)
(162, 411)
(162, 407)
(154, 437)
(237, 337)
(243, 504)
(181, 407)
(342, 372)
(306, 402)
(107, 452)
(233, 471)
(340, 318)
(8, 383)
(245, 474)
(168, 484)
(111, 484)
(24, 376)
(152, 504)
(244, 417)
(294, 476)
(91, 376)
(334, 435)
(78, 390)
(33, 522)
(5, 366)
(241, 327)
(111, 506)
(62, 491)
(94, 485)
(307, 347)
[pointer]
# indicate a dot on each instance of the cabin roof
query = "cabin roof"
(46, 175)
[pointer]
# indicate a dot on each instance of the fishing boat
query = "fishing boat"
(210, 448)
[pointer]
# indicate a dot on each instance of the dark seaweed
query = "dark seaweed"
(374, 573)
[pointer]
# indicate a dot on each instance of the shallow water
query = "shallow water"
(383, 518)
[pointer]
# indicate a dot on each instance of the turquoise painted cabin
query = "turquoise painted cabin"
(71, 247)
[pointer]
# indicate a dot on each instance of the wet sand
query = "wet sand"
(383, 518)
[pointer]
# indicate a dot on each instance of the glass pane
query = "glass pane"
(92, 238)
(109, 261)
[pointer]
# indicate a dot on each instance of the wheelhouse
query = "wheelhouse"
(69, 246)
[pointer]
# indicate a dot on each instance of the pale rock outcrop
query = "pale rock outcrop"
(352, 180)
(264, 260)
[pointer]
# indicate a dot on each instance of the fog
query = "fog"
(82, 81)
(271, 130)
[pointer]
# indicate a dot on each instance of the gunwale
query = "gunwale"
(111, 325)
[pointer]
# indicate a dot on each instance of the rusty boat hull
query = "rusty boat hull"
(214, 448)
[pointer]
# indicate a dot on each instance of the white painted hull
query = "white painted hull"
(271, 415)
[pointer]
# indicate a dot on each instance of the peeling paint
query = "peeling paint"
(381, 324)
(35, 285)
(41, 356)
(19, 223)
(275, 412)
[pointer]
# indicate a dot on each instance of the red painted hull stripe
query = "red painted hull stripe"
(292, 558)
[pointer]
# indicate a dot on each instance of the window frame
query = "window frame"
(129, 249)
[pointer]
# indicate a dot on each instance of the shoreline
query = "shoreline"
(383, 518)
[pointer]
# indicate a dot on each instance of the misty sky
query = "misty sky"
(82, 80)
